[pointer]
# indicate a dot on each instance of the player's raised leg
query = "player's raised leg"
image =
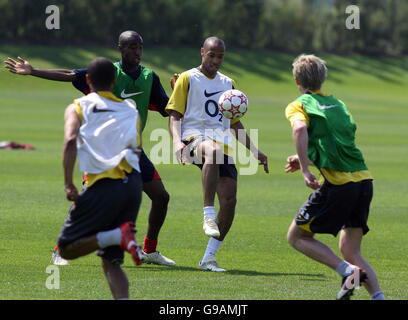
(122, 236)
(210, 152)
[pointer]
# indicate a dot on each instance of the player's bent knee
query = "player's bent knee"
(291, 239)
(161, 198)
(228, 202)
(349, 254)
(293, 235)
(212, 153)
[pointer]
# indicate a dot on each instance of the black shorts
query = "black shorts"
(104, 206)
(149, 172)
(334, 207)
(226, 169)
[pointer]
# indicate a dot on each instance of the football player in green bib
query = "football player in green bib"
(324, 134)
(136, 82)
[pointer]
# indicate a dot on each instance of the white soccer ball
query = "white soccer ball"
(233, 104)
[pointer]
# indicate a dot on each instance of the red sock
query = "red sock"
(56, 248)
(149, 245)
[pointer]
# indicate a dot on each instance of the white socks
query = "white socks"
(344, 269)
(212, 248)
(213, 244)
(377, 296)
(109, 238)
(209, 212)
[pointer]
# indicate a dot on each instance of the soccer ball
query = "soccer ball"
(233, 104)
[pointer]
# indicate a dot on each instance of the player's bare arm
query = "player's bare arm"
(69, 153)
(23, 67)
(293, 163)
(247, 142)
(173, 80)
(301, 139)
(175, 131)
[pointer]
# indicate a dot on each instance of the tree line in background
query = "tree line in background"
(284, 25)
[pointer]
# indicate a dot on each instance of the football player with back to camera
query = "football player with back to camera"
(324, 136)
(136, 82)
(201, 137)
(103, 215)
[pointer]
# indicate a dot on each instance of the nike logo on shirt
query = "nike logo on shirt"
(325, 107)
(128, 95)
(207, 94)
(95, 109)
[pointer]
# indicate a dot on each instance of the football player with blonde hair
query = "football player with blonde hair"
(324, 136)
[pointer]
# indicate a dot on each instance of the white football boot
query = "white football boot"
(157, 258)
(210, 265)
(58, 260)
(210, 227)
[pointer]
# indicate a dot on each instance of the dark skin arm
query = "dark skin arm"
(23, 67)
(246, 141)
(69, 153)
(175, 131)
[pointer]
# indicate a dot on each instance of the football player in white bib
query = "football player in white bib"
(201, 136)
(104, 132)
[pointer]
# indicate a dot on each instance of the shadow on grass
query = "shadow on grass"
(275, 66)
(233, 272)
(274, 274)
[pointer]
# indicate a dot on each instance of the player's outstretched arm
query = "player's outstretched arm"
(23, 67)
(241, 135)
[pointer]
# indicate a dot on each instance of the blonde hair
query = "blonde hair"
(310, 71)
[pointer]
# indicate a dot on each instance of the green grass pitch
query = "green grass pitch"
(261, 264)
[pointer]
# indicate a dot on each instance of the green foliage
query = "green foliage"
(287, 25)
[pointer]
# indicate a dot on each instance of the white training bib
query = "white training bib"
(108, 133)
(202, 116)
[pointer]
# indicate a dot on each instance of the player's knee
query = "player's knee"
(213, 154)
(350, 254)
(228, 202)
(292, 236)
(162, 198)
(291, 239)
